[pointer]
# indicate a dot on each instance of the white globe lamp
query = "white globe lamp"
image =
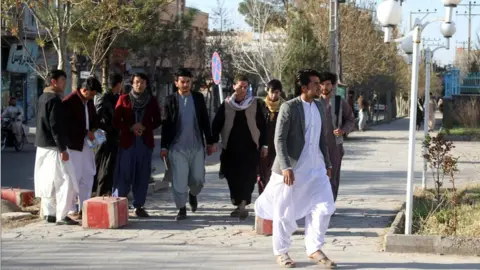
(448, 29)
(407, 45)
(389, 14)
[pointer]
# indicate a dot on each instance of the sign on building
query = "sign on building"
(22, 58)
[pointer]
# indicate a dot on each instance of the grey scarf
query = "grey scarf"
(140, 101)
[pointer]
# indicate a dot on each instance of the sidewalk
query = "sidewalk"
(372, 189)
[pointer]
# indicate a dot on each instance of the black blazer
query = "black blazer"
(105, 110)
(170, 120)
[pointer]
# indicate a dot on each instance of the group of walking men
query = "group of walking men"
(295, 146)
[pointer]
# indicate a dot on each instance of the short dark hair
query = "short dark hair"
(55, 74)
(183, 72)
(302, 78)
(328, 76)
(115, 79)
(140, 75)
(92, 84)
(240, 78)
(275, 85)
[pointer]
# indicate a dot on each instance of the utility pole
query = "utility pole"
(468, 13)
(334, 37)
(426, 13)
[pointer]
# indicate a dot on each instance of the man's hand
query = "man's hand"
(91, 136)
(329, 172)
(338, 132)
(164, 154)
(264, 152)
(64, 156)
(138, 129)
(288, 177)
(212, 148)
(137, 132)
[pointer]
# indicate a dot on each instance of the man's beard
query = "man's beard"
(326, 93)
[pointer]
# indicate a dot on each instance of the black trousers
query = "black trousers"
(241, 187)
(105, 160)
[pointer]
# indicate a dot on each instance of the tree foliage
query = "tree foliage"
(307, 51)
(100, 23)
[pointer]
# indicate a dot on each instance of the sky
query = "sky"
(432, 31)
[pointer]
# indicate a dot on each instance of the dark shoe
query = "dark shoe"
(182, 214)
(193, 202)
(68, 221)
(242, 214)
(235, 212)
(75, 216)
(140, 212)
(50, 219)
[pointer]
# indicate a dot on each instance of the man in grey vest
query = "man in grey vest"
(340, 120)
(240, 121)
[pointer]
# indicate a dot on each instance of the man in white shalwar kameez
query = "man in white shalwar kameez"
(54, 173)
(299, 186)
(83, 122)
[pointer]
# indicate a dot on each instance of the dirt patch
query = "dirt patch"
(35, 217)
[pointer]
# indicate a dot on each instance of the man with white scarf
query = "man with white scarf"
(54, 173)
(299, 186)
(240, 121)
(81, 125)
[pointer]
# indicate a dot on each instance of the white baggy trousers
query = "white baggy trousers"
(85, 169)
(310, 198)
(54, 182)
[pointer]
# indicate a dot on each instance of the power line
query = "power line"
(470, 5)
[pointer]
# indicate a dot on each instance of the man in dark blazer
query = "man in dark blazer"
(81, 125)
(106, 154)
(299, 186)
(185, 135)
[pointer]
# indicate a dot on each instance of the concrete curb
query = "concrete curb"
(397, 242)
(461, 138)
(16, 216)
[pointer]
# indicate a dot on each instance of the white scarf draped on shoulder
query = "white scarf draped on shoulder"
(243, 105)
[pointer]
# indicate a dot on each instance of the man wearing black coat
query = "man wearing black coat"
(106, 154)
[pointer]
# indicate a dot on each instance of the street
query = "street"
(371, 191)
(18, 167)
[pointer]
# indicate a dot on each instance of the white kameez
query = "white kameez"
(54, 182)
(85, 169)
(310, 196)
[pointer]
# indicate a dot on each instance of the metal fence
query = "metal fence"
(456, 84)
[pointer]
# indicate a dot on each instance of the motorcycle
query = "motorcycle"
(8, 138)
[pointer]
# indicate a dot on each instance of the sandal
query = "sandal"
(322, 259)
(285, 261)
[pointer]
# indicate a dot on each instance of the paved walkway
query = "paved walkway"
(372, 189)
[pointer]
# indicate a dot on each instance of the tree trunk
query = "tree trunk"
(75, 70)
(106, 61)
(105, 71)
(62, 49)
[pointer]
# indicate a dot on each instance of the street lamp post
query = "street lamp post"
(389, 14)
(447, 32)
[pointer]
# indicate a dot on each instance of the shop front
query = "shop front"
(20, 79)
